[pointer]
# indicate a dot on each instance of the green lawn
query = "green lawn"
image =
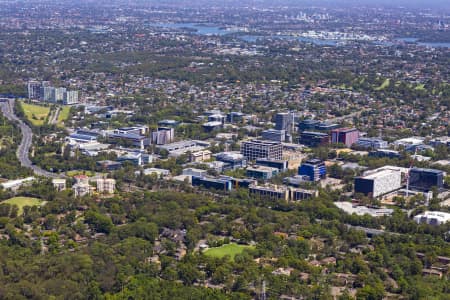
(228, 249)
(35, 113)
(384, 85)
(79, 172)
(420, 87)
(63, 115)
(24, 201)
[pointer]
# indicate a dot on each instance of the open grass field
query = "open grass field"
(36, 114)
(21, 202)
(228, 249)
(63, 115)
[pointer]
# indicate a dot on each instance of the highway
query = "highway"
(7, 108)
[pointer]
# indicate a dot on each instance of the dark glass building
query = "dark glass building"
(425, 179)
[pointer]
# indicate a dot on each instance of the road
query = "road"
(7, 107)
(54, 116)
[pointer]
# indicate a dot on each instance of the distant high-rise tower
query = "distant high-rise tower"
(70, 97)
(34, 90)
(48, 93)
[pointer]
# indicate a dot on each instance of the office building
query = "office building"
(255, 149)
(275, 192)
(324, 126)
(271, 192)
(385, 153)
(108, 165)
(239, 182)
(314, 169)
(136, 158)
(232, 160)
(200, 156)
(217, 118)
(214, 183)
(307, 124)
(106, 186)
(139, 129)
(346, 136)
(179, 148)
(164, 135)
(211, 126)
(281, 165)
(261, 172)
(378, 182)
(274, 135)
(302, 194)
(411, 141)
(284, 121)
(443, 140)
(71, 97)
(168, 123)
(34, 90)
(434, 218)
(371, 143)
(134, 140)
(314, 139)
(194, 172)
(235, 117)
(361, 210)
(296, 180)
(425, 179)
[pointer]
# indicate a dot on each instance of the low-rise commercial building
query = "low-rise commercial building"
(200, 156)
(281, 165)
(314, 139)
(261, 172)
(371, 143)
(432, 218)
(214, 183)
(232, 160)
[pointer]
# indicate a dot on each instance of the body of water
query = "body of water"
(425, 44)
(197, 28)
(202, 29)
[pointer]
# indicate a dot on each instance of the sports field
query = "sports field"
(228, 249)
(36, 114)
(21, 202)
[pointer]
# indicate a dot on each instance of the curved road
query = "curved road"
(23, 150)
